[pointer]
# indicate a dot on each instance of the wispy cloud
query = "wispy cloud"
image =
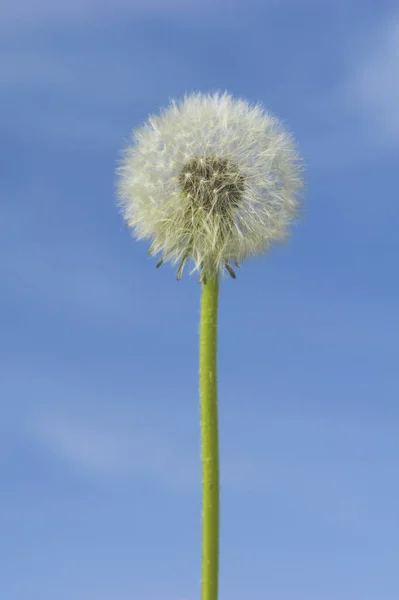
(82, 92)
(89, 72)
(372, 89)
(101, 451)
(97, 431)
(88, 288)
(70, 273)
(42, 12)
(24, 11)
(317, 480)
(324, 465)
(360, 111)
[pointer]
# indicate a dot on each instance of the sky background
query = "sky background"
(100, 474)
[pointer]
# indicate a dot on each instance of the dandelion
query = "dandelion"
(212, 180)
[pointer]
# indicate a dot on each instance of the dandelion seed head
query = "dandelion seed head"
(211, 178)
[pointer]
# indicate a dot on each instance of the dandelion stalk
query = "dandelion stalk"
(209, 440)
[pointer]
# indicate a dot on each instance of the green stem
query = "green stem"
(209, 439)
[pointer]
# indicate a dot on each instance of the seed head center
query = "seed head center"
(212, 183)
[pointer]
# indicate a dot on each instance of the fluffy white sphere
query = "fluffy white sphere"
(211, 178)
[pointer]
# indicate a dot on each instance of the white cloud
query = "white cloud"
(84, 447)
(89, 76)
(70, 275)
(98, 433)
(360, 114)
(90, 88)
(98, 450)
(42, 12)
(326, 465)
(56, 279)
(372, 92)
(333, 482)
(25, 11)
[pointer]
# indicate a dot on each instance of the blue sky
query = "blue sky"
(99, 434)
